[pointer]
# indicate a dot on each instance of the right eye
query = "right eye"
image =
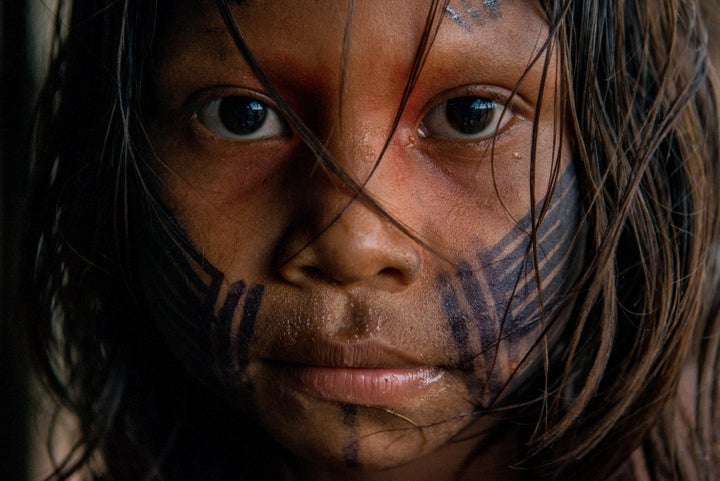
(236, 117)
(466, 118)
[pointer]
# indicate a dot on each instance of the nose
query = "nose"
(345, 240)
(358, 247)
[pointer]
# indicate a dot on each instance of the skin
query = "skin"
(286, 268)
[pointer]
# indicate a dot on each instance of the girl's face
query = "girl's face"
(350, 341)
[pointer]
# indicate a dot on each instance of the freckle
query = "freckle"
(517, 155)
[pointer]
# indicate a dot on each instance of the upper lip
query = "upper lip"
(367, 354)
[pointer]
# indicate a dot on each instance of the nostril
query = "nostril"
(393, 274)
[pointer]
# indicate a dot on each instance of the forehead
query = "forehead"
(306, 37)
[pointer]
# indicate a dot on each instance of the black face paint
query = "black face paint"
(223, 324)
(247, 326)
(350, 449)
(492, 305)
(209, 337)
(457, 320)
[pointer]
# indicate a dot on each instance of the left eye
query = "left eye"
(469, 117)
(241, 118)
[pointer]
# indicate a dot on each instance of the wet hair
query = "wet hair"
(636, 371)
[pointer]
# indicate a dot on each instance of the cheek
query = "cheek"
(498, 303)
(207, 321)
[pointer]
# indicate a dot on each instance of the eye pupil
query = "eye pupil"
(242, 115)
(470, 115)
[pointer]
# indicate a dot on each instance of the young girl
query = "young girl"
(379, 240)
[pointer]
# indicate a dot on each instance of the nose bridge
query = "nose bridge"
(343, 238)
(360, 143)
(357, 146)
(361, 131)
(367, 94)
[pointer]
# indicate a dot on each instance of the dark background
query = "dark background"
(17, 87)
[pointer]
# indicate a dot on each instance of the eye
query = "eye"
(237, 117)
(469, 117)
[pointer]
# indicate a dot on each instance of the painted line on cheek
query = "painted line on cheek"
(506, 250)
(247, 325)
(251, 307)
(484, 312)
(351, 447)
(554, 251)
(456, 321)
(478, 298)
(223, 324)
(553, 270)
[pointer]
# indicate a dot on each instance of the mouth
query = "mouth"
(363, 373)
(362, 386)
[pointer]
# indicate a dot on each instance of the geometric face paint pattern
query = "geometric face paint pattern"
(493, 303)
(195, 319)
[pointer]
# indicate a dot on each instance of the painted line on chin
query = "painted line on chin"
(352, 445)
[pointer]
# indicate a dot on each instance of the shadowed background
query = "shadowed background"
(25, 27)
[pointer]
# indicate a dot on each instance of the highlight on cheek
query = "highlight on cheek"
(494, 305)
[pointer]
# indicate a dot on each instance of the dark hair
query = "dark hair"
(636, 370)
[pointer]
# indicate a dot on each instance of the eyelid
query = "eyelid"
(198, 99)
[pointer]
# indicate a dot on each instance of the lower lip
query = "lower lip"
(372, 387)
